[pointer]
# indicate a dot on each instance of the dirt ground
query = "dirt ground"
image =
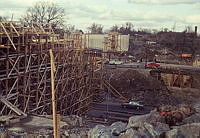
(140, 86)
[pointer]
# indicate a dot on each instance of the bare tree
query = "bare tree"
(127, 28)
(70, 28)
(114, 28)
(45, 12)
(188, 29)
(2, 18)
(174, 27)
(96, 28)
(155, 31)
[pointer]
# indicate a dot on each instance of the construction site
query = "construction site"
(75, 84)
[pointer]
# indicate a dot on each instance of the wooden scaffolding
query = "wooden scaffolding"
(25, 77)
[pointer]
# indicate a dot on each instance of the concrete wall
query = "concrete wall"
(97, 41)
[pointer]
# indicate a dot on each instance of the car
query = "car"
(133, 105)
(115, 62)
(153, 65)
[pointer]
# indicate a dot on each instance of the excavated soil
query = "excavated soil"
(140, 86)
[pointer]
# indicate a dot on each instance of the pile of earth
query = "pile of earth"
(140, 86)
(124, 80)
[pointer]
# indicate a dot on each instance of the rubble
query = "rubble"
(174, 115)
(152, 117)
(139, 129)
(154, 124)
(73, 120)
(130, 133)
(197, 107)
(117, 127)
(76, 132)
(149, 130)
(187, 131)
(195, 118)
(100, 131)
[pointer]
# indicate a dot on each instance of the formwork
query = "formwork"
(25, 73)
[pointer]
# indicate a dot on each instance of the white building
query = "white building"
(106, 41)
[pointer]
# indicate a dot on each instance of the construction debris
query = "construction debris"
(143, 129)
(153, 124)
(100, 131)
(117, 127)
(73, 120)
(187, 131)
(174, 115)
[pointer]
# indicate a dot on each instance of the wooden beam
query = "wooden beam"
(55, 125)
(14, 29)
(8, 36)
(12, 107)
(113, 90)
(2, 46)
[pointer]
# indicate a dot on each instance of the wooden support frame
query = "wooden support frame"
(25, 71)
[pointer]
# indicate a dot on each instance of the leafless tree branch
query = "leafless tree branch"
(45, 12)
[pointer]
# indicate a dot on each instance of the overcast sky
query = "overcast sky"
(154, 14)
